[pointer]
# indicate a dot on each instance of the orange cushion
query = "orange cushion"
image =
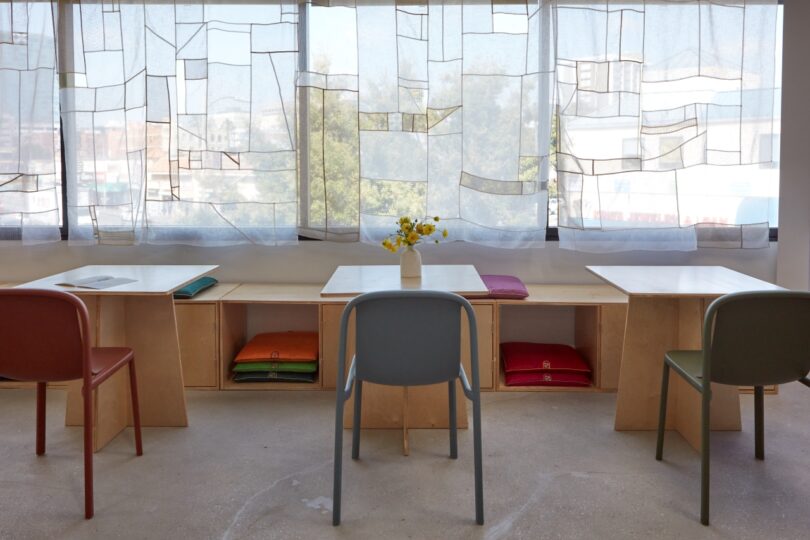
(280, 346)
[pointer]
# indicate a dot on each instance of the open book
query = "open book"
(96, 282)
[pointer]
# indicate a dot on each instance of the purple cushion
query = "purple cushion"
(504, 286)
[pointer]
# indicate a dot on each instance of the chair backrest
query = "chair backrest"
(757, 338)
(409, 338)
(44, 335)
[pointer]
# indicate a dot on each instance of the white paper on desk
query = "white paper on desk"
(97, 282)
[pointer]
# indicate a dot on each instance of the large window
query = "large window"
(262, 121)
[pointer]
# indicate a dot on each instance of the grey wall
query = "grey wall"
(311, 262)
(794, 197)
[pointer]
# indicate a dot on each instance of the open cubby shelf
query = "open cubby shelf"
(593, 329)
(240, 320)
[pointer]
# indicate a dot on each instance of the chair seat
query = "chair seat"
(105, 360)
(688, 364)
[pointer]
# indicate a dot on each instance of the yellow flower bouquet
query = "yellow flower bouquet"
(412, 232)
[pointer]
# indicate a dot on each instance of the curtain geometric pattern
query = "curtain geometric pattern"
(180, 122)
(30, 164)
(654, 121)
(666, 130)
(437, 111)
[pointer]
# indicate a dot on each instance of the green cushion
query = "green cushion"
(290, 367)
(195, 287)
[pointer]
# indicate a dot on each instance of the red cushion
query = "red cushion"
(547, 378)
(504, 286)
(521, 356)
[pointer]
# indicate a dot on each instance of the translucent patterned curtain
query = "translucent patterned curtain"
(427, 108)
(30, 164)
(667, 132)
(179, 121)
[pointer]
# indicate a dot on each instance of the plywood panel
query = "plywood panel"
(612, 319)
(197, 331)
(151, 330)
(111, 399)
(232, 334)
(330, 340)
(652, 329)
(656, 325)
(586, 337)
(485, 325)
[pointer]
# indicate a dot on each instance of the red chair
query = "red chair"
(45, 337)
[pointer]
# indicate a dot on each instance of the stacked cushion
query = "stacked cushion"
(543, 364)
(278, 357)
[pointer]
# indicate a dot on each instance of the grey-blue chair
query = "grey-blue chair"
(754, 339)
(429, 352)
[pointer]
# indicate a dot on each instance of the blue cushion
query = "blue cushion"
(195, 287)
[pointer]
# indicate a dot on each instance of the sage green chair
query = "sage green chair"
(749, 339)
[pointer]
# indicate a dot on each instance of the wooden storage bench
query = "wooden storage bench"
(238, 312)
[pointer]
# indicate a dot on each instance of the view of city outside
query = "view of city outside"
(417, 141)
(333, 185)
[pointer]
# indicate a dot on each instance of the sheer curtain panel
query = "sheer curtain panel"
(428, 108)
(30, 160)
(180, 121)
(666, 110)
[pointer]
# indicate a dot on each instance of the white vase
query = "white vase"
(410, 263)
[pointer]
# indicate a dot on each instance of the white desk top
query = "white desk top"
(149, 279)
(355, 280)
(679, 280)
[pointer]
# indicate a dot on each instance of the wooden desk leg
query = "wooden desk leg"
(427, 407)
(650, 331)
(654, 326)
(146, 324)
(111, 398)
(405, 446)
(152, 333)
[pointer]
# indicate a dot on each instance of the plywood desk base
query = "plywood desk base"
(419, 407)
(656, 324)
(147, 324)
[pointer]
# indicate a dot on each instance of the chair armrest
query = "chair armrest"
(347, 390)
(465, 384)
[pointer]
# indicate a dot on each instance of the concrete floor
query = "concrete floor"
(259, 465)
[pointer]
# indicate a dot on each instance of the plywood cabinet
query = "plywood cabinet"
(197, 331)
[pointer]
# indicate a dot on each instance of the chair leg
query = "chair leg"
(479, 480)
(136, 411)
(338, 466)
(358, 408)
(451, 393)
(705, 421)
(662, 414)
(87, 404)
(41, 400)
(759, 422)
